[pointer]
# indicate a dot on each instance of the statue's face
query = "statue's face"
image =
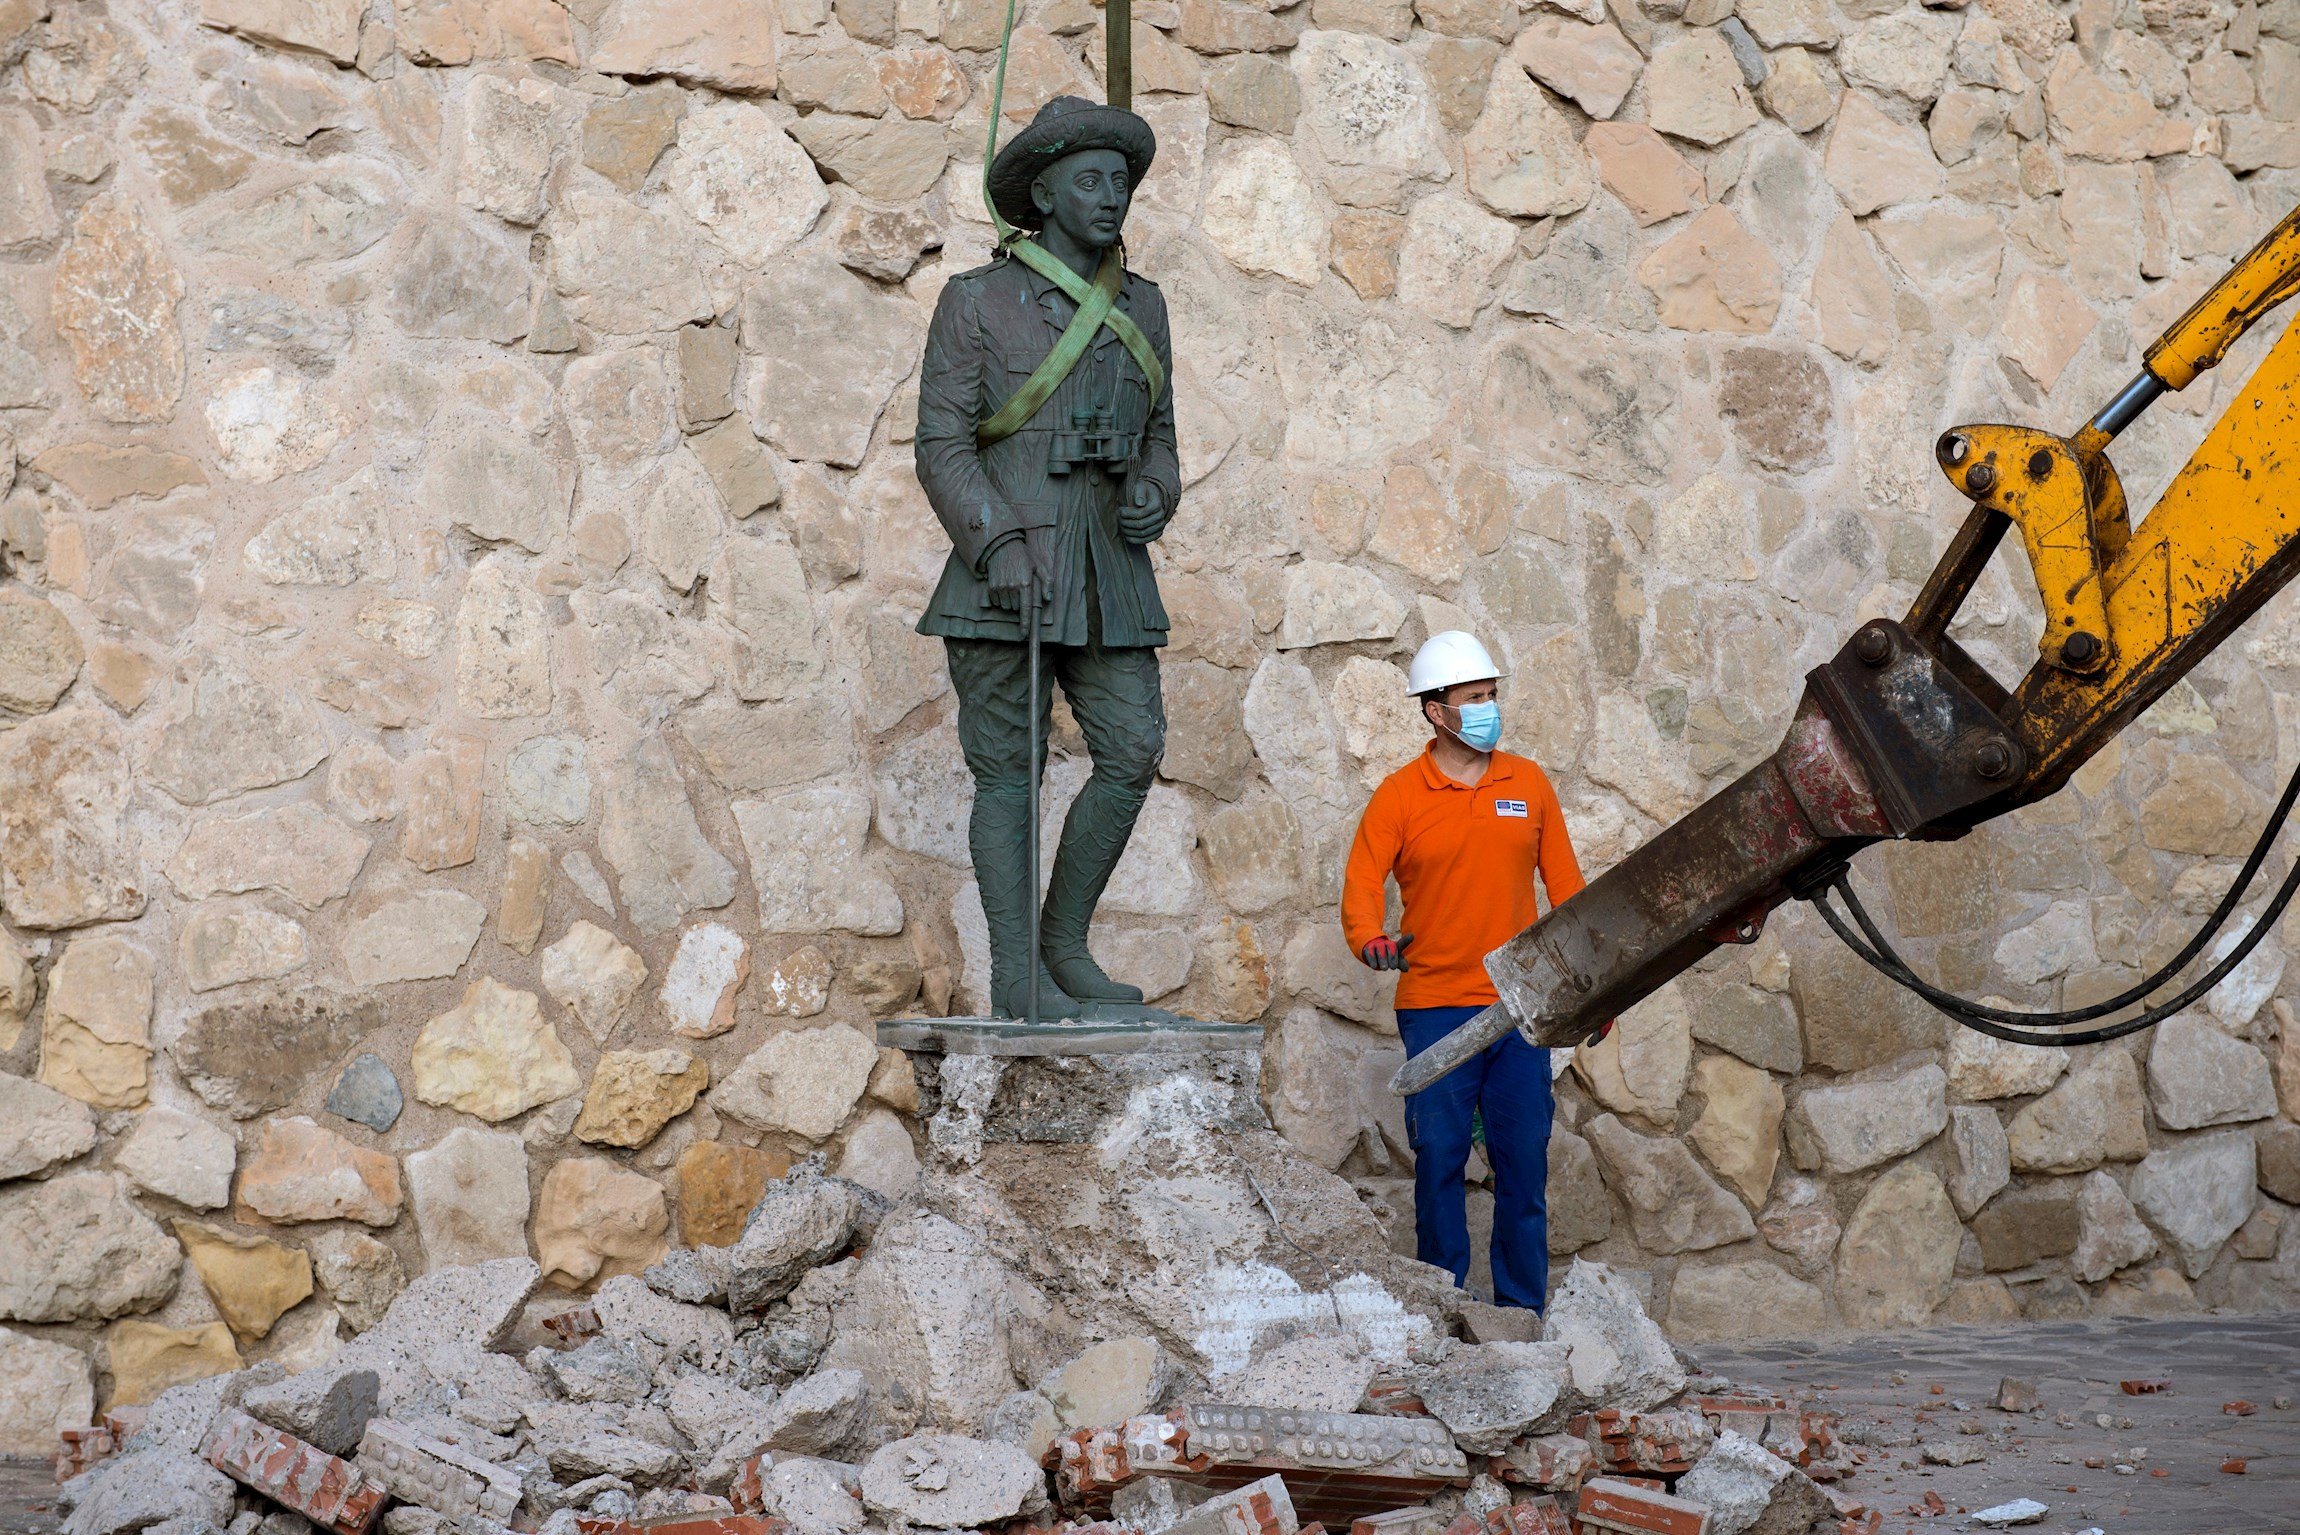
(1085, 196)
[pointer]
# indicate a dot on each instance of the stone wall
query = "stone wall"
(467, 776)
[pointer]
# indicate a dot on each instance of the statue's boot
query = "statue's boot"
(998, 836)
(1093, 839)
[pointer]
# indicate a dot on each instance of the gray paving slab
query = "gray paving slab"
(27, 1497)
(1897, 1392)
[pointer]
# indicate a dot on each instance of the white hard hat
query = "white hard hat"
(1449, 658)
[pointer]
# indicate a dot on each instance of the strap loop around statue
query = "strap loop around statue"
(1097, 301)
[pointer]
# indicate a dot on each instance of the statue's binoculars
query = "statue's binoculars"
(1093, 438)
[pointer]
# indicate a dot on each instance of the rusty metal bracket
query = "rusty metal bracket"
(1929, 746)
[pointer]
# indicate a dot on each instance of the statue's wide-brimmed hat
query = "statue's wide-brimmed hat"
(1064, 126)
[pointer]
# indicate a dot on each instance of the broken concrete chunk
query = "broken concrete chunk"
(328, 1407)
(695, 1275)
(1110, 1382)
(601, 1370)
(1752, 1491)
(443, 1322)
(147, 1487)
(1621, 1357)
(944, 1481)
(1487, 1394)
(825, 1414)
(1314, 1374)
(803, 1219)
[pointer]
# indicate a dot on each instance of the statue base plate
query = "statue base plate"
(1114, 1029)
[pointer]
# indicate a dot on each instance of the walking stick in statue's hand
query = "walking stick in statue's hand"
(1037, 778)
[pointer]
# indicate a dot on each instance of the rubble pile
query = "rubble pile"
(1226, 1353)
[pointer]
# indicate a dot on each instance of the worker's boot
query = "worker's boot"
(998, 836)
(1093, 839)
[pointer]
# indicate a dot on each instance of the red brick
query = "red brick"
(1552, 1462)
(1092, 1462)
(2143, 1387)
(1418, 1519)
(1612, 1504)
(125, 1422)
(1535, 1516)
(1391, 1398)
(685, 1524)
(574, 1325)
(329, 1492)
(1258, 1508)
(80, 1449)
(748, 1492)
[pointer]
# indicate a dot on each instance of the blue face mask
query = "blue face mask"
(1480, 728)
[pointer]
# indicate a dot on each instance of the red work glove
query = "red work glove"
(1598, 1038)
(1386, 953)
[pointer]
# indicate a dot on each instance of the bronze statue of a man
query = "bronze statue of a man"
(1047, 451)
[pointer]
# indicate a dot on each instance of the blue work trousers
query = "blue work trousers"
(1507, 1084)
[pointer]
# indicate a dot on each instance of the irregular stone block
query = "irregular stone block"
(2199, 1076)
(300, 1172)
(1898, 1254)
(85, 1251)
(39, 1128)
(719, 1182)
(802, 1081)
(256, 1057)
(2197, 1191)
(2096, 1115)
(114, 298)
(722, 44)
(706, 972)
(664, 864)
(148, 1361)
(593, 1217)
(492, 1055)
(1846, 1127)
(329, 28)
(2110, 1233)
(634, 1093)
(43, 1390)
(39, 652)
(225, 948)
(366, 1093)
(68, 854)
(253, 1280)
(470, 1196)
(298, 850)
(1674, 1205)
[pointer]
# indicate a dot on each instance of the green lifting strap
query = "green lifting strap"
(1097, 301)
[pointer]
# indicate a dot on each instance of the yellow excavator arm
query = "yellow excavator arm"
(1903, 734)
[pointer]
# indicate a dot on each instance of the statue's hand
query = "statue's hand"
(1142, 515)
(1009, 573)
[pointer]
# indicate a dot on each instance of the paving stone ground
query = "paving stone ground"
(27, 1497)
(2076, 1368)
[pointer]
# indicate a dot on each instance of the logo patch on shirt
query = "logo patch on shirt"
(1515, 807)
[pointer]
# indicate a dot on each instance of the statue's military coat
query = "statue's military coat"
(992, 327)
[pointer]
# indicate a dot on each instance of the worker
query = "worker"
(1465, 828)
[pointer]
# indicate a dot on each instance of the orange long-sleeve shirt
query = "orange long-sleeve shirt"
(1465, 859)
